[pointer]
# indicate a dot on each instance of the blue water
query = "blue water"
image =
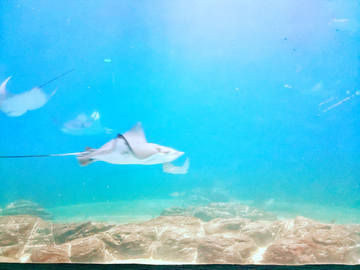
(236, 85)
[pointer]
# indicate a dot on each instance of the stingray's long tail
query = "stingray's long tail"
(56, 78)
(39, 156)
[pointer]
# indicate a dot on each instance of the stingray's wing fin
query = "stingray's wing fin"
(167, 167)
(186, 165)
(82, 117)
(135, 135)
(95, 116)
(140, 151)
(36, 98)
(88, 122)
(170, 168)
(136, 141)
(3, 86)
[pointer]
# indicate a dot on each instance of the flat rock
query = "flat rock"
(88, 249)
(7, 260)
(352, 231)
(245, 211)
(179, 211)
(289, 251)
(131, 241)
(67, 232)
(230, 248)
(177, 238)
(263, 233)
(329, 246)
(182, 239)
(209, 212)
(304, 225)
(50, 254)
(168, 222)
(26, 207)
(221, 225)
(220, 210)
(14, 234)
(41, 235)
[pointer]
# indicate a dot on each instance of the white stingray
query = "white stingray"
(18, 104)
(129, 148)
(84, 125)
(170, 168)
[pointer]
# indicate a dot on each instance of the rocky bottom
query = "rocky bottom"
(180, 239)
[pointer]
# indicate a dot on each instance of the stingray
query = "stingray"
(129, 148)
(18, 104)
(170, 168)
(84, 125)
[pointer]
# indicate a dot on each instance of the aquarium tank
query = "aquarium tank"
(180, 132)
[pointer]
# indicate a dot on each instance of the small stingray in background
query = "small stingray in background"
(130, 148)
(170, 168)
(84, 125)
(18, 104)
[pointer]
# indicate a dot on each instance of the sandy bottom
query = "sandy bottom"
(139, 211)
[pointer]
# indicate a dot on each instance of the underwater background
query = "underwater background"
(236, 85)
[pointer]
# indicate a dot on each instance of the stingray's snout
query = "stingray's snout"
(177, 154)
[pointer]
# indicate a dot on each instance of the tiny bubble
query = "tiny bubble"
(294, 50)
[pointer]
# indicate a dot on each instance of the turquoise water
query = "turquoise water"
(236, 85)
